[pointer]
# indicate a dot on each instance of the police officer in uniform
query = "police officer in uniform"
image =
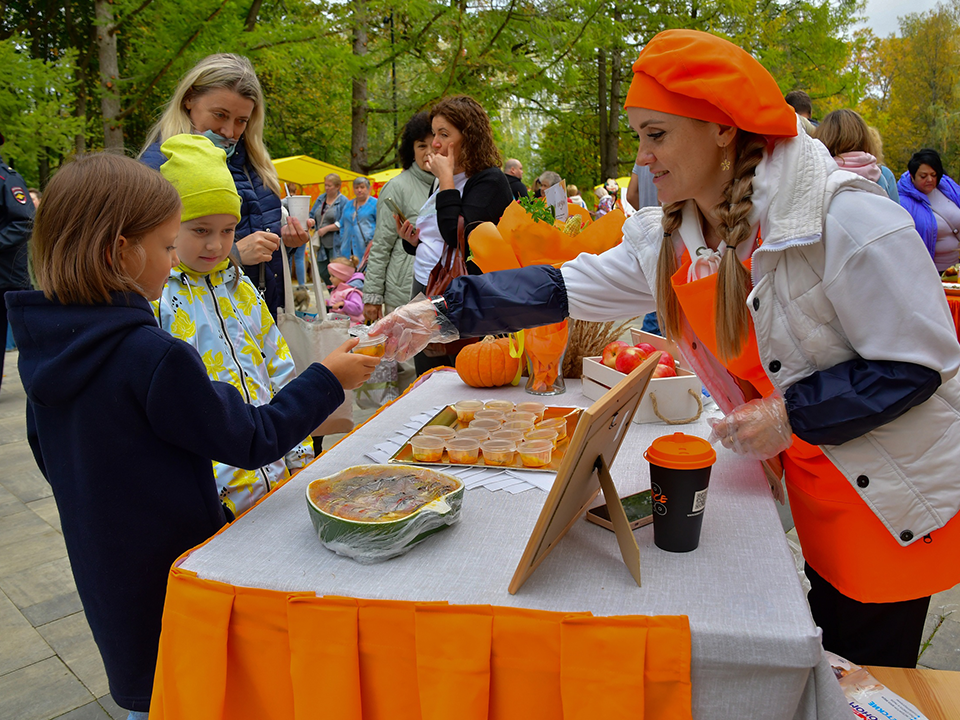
(16, 223)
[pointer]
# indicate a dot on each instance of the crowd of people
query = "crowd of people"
(757, 242)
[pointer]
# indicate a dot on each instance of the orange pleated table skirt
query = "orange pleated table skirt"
(243, 653)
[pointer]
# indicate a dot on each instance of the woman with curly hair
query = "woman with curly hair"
(469, 184)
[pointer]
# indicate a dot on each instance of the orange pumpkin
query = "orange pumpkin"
(487, 363)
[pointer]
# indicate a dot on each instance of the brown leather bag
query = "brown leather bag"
(452, 265)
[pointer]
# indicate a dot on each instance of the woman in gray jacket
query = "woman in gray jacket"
(389, 274)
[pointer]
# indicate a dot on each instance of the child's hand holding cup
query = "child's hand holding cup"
(351, 369)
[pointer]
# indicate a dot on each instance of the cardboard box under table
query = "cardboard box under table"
(263, 622)
(671, 398)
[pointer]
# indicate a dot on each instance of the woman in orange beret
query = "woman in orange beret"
(792, 289)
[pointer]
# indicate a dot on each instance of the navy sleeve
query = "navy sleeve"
(849, 400)
(212, 419)
(506, 301)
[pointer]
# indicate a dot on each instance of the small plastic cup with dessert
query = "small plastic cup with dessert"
(474, 432)
(427, 448)
(485, 424)
(537, 408)
(463, 451)
(375, 346)
(504, 406)
(498, 452)
(488, 415)
(558, 423)
(535, 453)
(466, 409)
(514, 436)
(444, 432)
(547, 434)
(521, 425)
(517, 416)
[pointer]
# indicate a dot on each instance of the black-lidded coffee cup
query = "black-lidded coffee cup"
(679, 474)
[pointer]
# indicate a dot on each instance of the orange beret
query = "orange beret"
(698, 75)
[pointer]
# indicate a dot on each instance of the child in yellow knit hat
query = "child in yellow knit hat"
(209, 303)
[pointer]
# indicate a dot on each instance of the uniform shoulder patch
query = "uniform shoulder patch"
(19, 195)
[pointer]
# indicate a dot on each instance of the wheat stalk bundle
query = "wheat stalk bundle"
(587, 339)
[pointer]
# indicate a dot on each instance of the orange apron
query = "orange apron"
(841, 537)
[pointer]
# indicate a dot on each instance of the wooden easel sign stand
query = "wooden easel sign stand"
(585, 471)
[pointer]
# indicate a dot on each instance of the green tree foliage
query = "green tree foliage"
(553, 75)
(914, 100)
(36, 98)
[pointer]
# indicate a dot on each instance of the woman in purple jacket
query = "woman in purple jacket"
(933, 200)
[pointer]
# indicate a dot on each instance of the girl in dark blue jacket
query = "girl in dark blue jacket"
(122, 418)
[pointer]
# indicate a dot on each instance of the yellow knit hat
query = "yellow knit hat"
(198, 170)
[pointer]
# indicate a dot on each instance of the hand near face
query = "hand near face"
(441, 166)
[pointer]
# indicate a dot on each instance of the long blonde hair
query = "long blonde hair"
(733, 280)
(232, 72)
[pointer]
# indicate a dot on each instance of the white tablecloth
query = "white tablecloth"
(756, 651)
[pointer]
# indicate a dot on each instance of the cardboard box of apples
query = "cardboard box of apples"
(674, 392)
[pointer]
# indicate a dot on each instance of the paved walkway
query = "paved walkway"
(49, 664)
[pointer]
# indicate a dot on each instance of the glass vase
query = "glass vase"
(543, 349)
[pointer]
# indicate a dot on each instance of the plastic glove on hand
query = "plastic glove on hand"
(411, 327)
(759, 429)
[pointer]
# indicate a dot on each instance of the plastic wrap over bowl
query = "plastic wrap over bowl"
(375, 512)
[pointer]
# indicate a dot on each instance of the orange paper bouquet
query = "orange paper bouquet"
(520, 240)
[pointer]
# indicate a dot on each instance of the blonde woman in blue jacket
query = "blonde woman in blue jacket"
(209, 303)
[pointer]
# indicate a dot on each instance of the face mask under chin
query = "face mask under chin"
(228, 145)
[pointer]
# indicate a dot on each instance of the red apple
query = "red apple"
(610, 352)
(666, 359)
(629, 359)
(662, 371)
(646, 348)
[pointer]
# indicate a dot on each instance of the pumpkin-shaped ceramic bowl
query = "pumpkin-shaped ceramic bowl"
(375, 512)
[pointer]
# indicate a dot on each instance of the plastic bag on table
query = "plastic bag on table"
(868, 697)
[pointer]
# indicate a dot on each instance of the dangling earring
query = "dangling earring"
(725, 163)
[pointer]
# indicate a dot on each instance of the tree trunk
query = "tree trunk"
(80, 111)
(612, 167)
(359, 105)
(109, 71)
(602, 108)
(252, 15)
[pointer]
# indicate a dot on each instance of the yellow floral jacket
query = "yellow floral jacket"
(223, 317)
